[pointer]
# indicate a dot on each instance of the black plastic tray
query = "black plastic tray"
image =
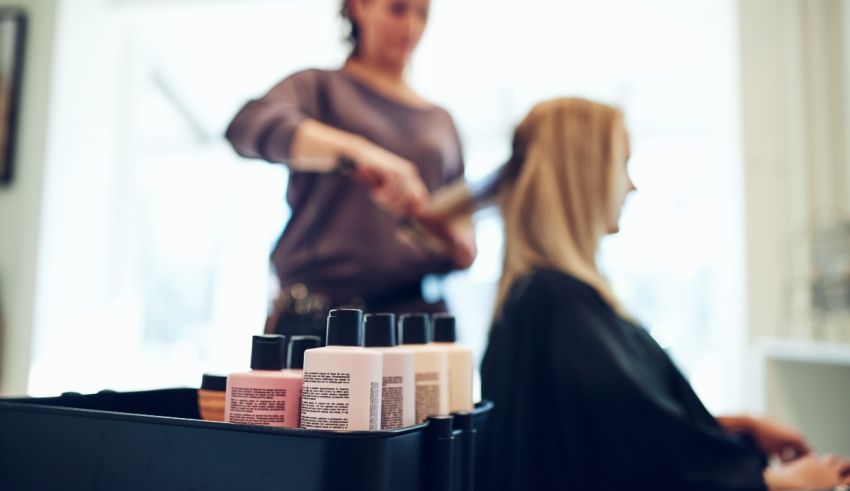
(153, 440)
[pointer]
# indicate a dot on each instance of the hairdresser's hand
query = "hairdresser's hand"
(457, 235)
(810, 472)
(395, 183)
(774, 439)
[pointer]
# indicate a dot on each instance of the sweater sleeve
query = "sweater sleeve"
(455, 169)
(265, 128)
(640, 431)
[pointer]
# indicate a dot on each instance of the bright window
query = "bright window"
(197, 223)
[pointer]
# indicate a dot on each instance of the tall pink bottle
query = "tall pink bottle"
(267, 395)
(398, 392)
(342, 381)
(430, 364)
(444, 331)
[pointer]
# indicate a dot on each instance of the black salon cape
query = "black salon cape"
(585, 400)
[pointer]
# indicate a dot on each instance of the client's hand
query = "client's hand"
(774, 439)
(781, 441)
(812, 471)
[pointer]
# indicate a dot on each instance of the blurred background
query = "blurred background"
(134, 243)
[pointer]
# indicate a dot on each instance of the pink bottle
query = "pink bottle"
(342, 381)
(267, 395)
(398, 392)
(430, 364)
(295, 362)
(444, 331)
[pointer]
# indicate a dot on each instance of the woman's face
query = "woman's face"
(390, 29)
(621, 185)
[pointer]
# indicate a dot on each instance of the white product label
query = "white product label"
(256, 406)
(392, 405)
(325, 406)
(374, 404)
(427, 395)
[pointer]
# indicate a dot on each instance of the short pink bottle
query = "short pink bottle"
(342, 381)
(267, 395)
(295, 361)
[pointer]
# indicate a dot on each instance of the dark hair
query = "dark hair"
(503, 177)
(353, 36)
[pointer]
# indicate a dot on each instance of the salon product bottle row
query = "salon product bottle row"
(369, 376)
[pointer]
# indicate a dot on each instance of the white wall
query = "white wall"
(845, 28)
(796, 171)
(795, 62)
(20, 203)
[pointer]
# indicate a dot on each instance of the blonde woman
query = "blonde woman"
(585, 398)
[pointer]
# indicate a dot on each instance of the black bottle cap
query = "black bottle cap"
(379, 330)
(413, 329)
(268, 352)
(443, 327)
(214, 382)
(464, 421)
(440, 426)
(345, 327)
(297, 346)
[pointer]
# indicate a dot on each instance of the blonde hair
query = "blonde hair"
(555, 202)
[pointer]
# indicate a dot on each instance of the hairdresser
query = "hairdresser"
(364, 151)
